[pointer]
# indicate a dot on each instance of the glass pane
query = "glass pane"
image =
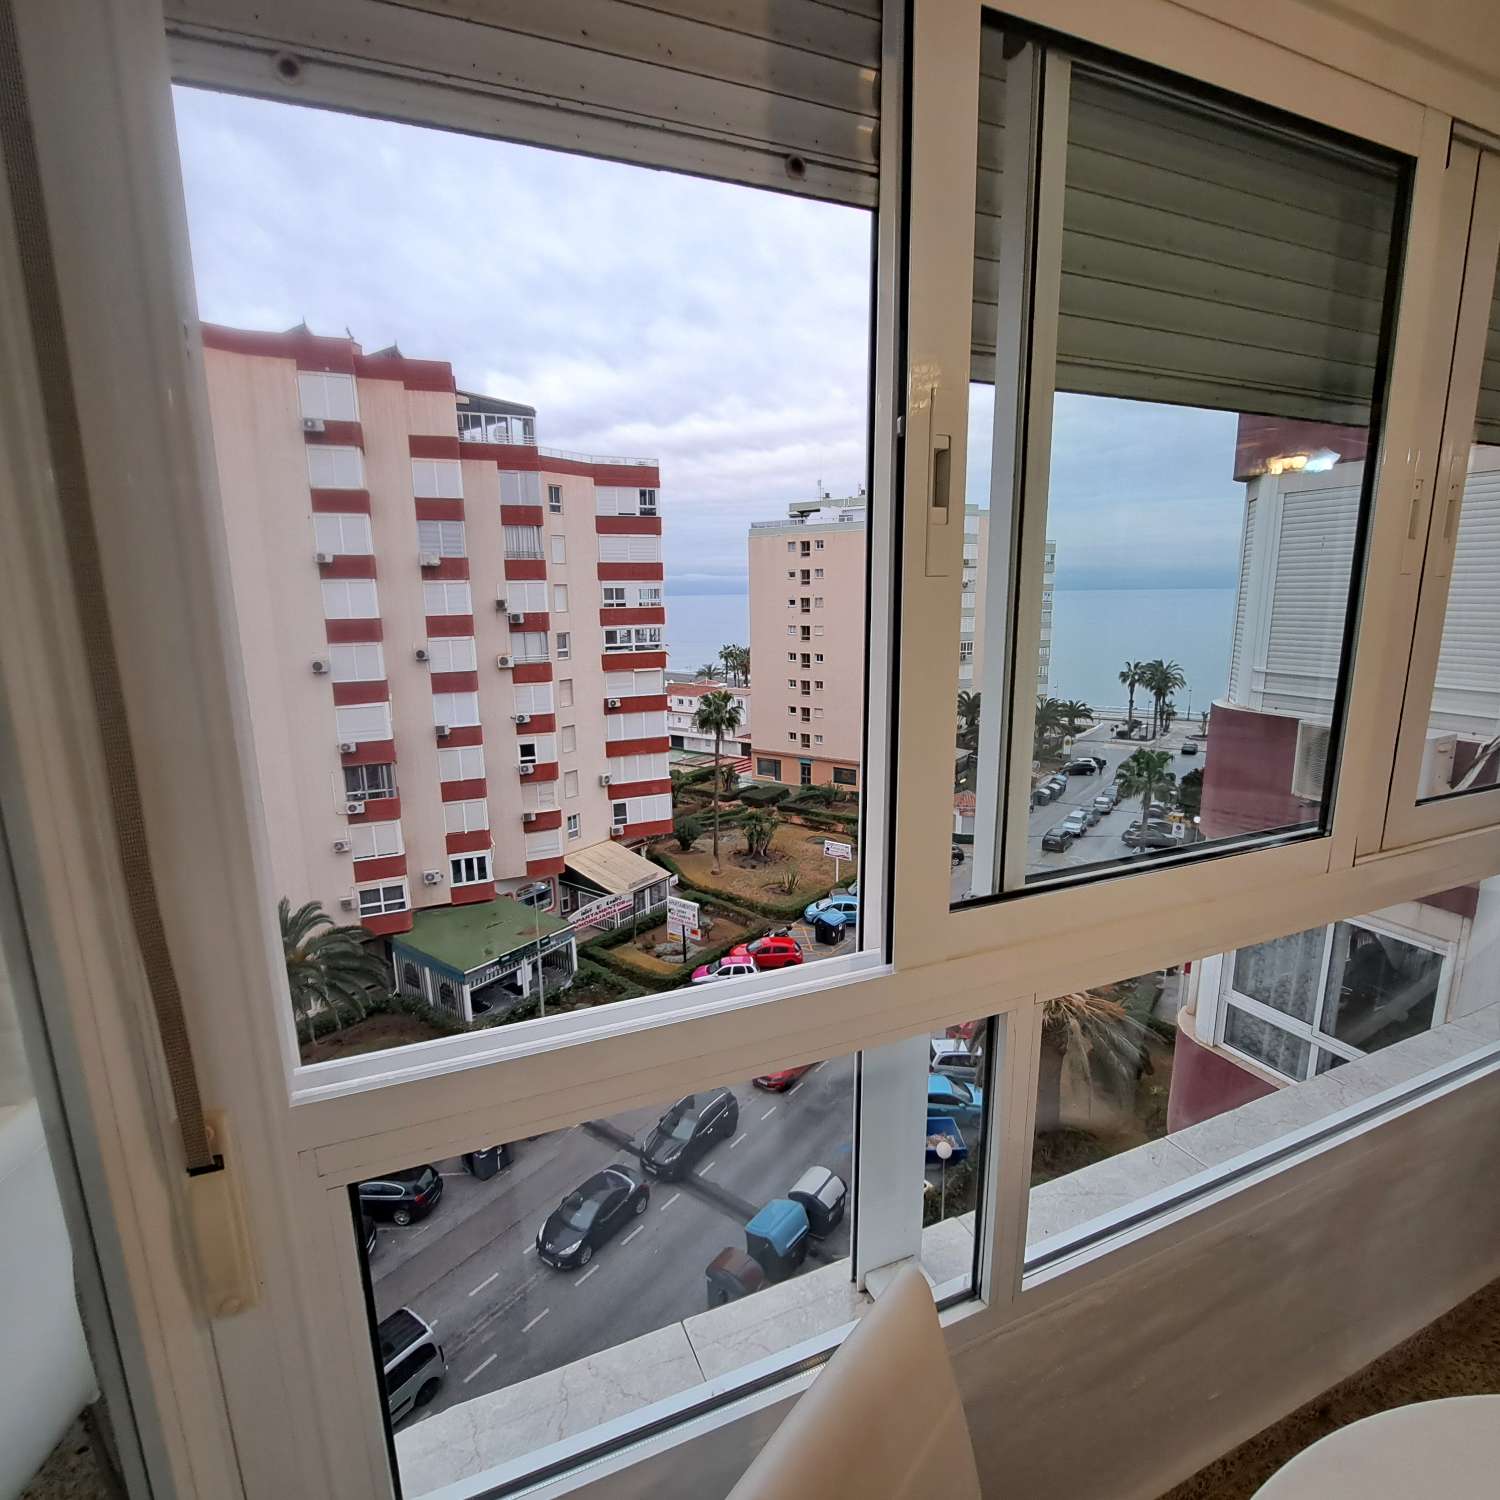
(1223, 283)
(960, 1093)
(1463, 735)
(513, 435)
(1284, 973)
(1145, 1084)
(533, 1290)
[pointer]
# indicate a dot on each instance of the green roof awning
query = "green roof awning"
(465, 938)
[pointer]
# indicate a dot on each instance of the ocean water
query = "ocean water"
(1094, 632)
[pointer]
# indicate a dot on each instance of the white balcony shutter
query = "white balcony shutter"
(1487, 419)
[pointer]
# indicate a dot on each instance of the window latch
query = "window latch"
(220, 1228)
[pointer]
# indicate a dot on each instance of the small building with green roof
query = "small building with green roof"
(483, 958)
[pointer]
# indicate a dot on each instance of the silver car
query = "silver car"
(412, 1360)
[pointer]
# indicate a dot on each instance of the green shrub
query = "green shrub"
(686, 830)
(766, 794)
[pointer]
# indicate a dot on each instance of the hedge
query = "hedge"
(763, 795)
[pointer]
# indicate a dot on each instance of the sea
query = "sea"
(1094, 632)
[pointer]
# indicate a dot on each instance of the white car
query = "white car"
(731, 966)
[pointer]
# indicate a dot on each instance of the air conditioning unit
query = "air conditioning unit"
(429, 560)
(1438, 756)
(323, 559)
(527, 768)
(1310, 768)
(349, 902)
(611, 702)
(442, 731)
(347, 747)
(353, 809)
(313, 424)
(604, 779)
(342, 846)
(432, 877)
(516, 618)
(505, 662)
(500, 606)
(520, 718)
(529, 817)
(422, 654)
(319, 666)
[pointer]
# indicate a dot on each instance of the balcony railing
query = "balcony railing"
(524, 554)
(615, 459)
(492, 427)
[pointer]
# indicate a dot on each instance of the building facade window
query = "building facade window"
(456, 710)
(358, 723)
(565, 692)
(554, 499)
(327, 395)
(376, 840)
(844, 776)
(358, 661)
(382, 900)
(564, 645)
(570, 783)
(766, 765)
(369, 783)
(560, 598)
(469, 869)
(442, 539)
(568, 739)
(437, 479)
(466, 817)
(452, 653)
(331, 468)
(343, 535)
(523, 543)
(350, 599)
(559, 548)
(575, 825)
(462, 763)
(447, 596)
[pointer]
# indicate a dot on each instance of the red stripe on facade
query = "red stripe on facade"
(346, 693)
(311, 351)
(447, 567)
(651, 614)
(340, 434)
(340, 502)
(455, 682)
(474, 842)
(537, 868)
(432, 445)
(347, 632)
(525, 567)
(520, 515)
(450, 624)
(527, 460)
(371, 753)
(467, 895)
(459, 735)
(532, 671)
(538, 724)
(543, 821)
(627, 525)
(378, 810)
(396, 921)
(348, 565)
(543, 770)
(628, 661)
(640, 788)
(387, 867)
(532, 619)
(439, 510)
(462, 791)
(616, 572)
(414, 374)
(637, 747)
(641, 705)
(644, 830)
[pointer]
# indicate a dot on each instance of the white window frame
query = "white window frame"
(350, 599)
(564, 645)
(327, 395)
(376, 840)
(437, 479)
(332, 466)
(461, 763)
(574, 825)
(452, 653)
(343, 533)
(447, 596)
(362, 723)
(557, 547)
(384, 903)
(555, 499)
(559, 598)
(357, 661)
(469, 816)
(442, 539)
(456, 710)
(473, 868)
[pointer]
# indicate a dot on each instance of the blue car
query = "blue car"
(841, 904)
(953, 1097)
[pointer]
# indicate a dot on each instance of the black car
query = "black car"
(684, 1134)
(401, 1197)
(1057, 840)
(1087, 766)
(590, 1215)
(367, 1234)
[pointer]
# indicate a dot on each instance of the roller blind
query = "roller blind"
(1487, 419)
(1207, 259)
(782, 92)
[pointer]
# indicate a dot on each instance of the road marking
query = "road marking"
(770, 1112)
(707, 1167)
(487, 1280)
(532, 1324)
(453, 1174)
(637, 1230)
(432, 1322)
(816, 1066)
(479, 1369)
(529, 1250)
(735, 1142)
(670, 1201)
(587, 1274)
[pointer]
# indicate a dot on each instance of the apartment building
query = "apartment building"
(682, 709)
(453, 637)
(807, 640)
(971, 630)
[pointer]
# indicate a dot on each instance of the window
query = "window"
(382, 900)
(541, 748)
(614, 596)
(817, 630)
(466, 817)
(554, 498)
(342, 535)
(452, 653)
(564, 645)
(532, 697)
(469, 869)
(570, 783)
(455, 709)
(539, 796)
(369, 783)
(526, 596)
(619, 816)
(817, 656)
(360, 722)
(330, 468)
(765, 765)
(845, 776)
(559, 545)
(820, 544)
(632, 638)
(648, 596)
(520, 487)
(547, 844)
(523, 542)
(363, 661)
(462, 763)
(817, 572)
(575, 826)
(447, 596)
(568, 739)
(437, 479)
(631, 548)
(350, 599)
(560, 598)
(441, 539)
(529, 645)
(647, 499)
(818, 602)
(817, 739)
(635, 726)
(327, 395)
(638, 682)
(565, 692)
(376, 840)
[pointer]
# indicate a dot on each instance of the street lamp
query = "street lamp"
(944, 1150)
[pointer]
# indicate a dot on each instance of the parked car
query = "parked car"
(953, 1097)
(589, 1215)
(1190, 747)
(779, 1082)
(1076, 822)
(953, 1059)
(1156, 834)
(958, 855)
(733, 964)
(686, 1132)
(840, 902)
(1084, 767)
(412, 1362)
(402, 1197)
(1057, 839)
(1091, 814)
(777, 950)
(1107, 801)
(1059, 785)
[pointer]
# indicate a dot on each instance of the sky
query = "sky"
(720, 329)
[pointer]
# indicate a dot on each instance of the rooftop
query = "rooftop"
(468, 937)
(473, 401)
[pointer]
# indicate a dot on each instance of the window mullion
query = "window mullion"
(889, 1160)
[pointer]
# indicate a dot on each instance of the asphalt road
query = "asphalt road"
(471, 1268)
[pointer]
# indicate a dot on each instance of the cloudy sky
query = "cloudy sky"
(720, 329)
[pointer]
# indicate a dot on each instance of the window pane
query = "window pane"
(1381, 990)
(960, 1094)
(1179, 656)
(1284, 973)
(584, 1274)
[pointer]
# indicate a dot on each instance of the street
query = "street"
(471, 1270)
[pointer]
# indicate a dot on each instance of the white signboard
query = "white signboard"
(682, 916)
(602, 910)
(835, 850)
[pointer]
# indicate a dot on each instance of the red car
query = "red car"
(779, 1083)
(776, 951)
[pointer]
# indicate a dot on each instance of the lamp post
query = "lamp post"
(944, 1149)
(541, 979)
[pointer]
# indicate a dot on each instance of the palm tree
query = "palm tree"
(1073, 714)
(1131, 677)
(1048, 721)
(1169, 679)
(718, 714)
(327, 967)
(967, 738)
(736, 660)
(1143, 773)
(708, 672)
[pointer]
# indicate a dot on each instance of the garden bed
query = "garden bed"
(374, 1034)
(635, 955)
(793, 848)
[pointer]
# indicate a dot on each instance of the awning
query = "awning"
(614, 868)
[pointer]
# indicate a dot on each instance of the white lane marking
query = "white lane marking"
(532, 1324)
(479, 1369)
(670, 1201)
(816, 1066)
(487, 1280)
(707, 1166)
(770, 1112)
(529, 1250)
(587, 1274)
(735, 1142)
(637, 1230)
(453, 1174)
